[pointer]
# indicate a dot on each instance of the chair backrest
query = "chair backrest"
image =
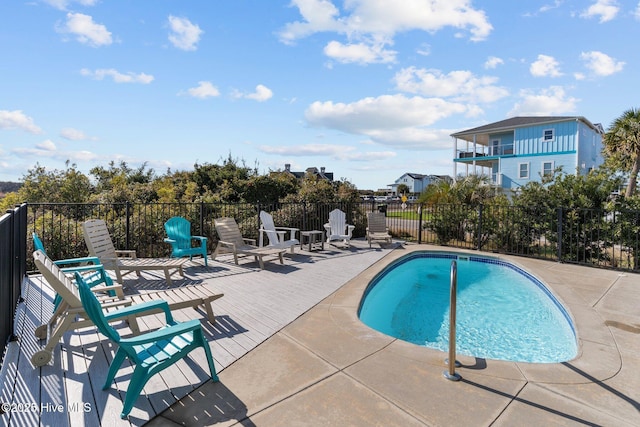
(57, 279)
(337, 221)
(93, 309)
(98, 240)
(228, 230)
(179, 229)
(37, 243)
(270, 228)
(377, 222)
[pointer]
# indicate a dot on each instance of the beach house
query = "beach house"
(519, 150)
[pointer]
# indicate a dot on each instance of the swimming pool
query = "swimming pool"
(503, 312)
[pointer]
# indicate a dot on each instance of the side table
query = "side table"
(313, 239)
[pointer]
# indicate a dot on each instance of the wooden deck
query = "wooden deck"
(257, 303)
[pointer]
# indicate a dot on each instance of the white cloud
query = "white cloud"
(359, 53)
(118, 77)
(636, 12)
(548, 7)
(600, 63)
(545, 66)
(337, 152)
(48, 149)
(16, 119)
(74, 135)
(492, 62)
(375, 23)
(460, 85)
(85, 30)
(605, 9)
(547, 102)
(390, 119)
(261, 94)
(424, 49)
(184, 35)
(204, 90)
(63, 4)
(46, 145)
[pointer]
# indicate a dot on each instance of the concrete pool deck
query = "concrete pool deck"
(327, 368)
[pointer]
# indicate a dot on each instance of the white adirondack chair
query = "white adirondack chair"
(337, 227)
(276, 235)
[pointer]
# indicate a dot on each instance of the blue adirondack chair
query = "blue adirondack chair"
(150, 352)
(94, 277)
(179, 231)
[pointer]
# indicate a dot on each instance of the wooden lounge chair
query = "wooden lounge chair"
(182, 297)
(76, 264)
(377, 227)
(337, 227)
(69, 314)
(276, 236)
(150, 352)
(179, 231)
(123, 262)
(231, 240)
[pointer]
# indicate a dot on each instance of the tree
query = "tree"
(622, 146)
(403, 189)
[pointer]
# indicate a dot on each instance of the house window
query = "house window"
(523, 170)
(547, 168)
(547, 135)
(495, 147)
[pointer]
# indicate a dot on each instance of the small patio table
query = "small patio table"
(313, 238)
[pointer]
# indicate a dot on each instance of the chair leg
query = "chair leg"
(138, 380)
(207, 352)
(113, 369)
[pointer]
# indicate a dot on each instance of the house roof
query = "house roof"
(517, 122)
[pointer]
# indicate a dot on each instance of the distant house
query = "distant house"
(417, 182)
(320, 173)
(519, 150)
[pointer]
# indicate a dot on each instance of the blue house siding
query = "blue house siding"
(529, 139)
(511, 167)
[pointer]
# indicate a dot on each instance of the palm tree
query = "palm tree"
(622, 143)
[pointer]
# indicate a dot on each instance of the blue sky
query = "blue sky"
(368, 89)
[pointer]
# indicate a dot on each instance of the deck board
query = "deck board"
(257, 303)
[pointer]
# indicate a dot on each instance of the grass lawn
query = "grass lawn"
(404, 214)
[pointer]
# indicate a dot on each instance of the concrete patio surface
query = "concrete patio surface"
(328, 368)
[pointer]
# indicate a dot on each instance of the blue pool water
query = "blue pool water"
(503, 312)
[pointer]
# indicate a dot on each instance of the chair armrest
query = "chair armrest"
(141, 308)
(201, 238)
(292, 232)
(109, 288)
(168, 240)
(89, 259)
(93, 267)
(168, 332)
(126, 253)
(250, 241)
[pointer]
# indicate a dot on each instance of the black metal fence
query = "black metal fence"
(585, 236)
(13, 243)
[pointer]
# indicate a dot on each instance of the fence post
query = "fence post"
(420, 223)
(560, 233)
(127, 232)
(479, 230)
(201, 213)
